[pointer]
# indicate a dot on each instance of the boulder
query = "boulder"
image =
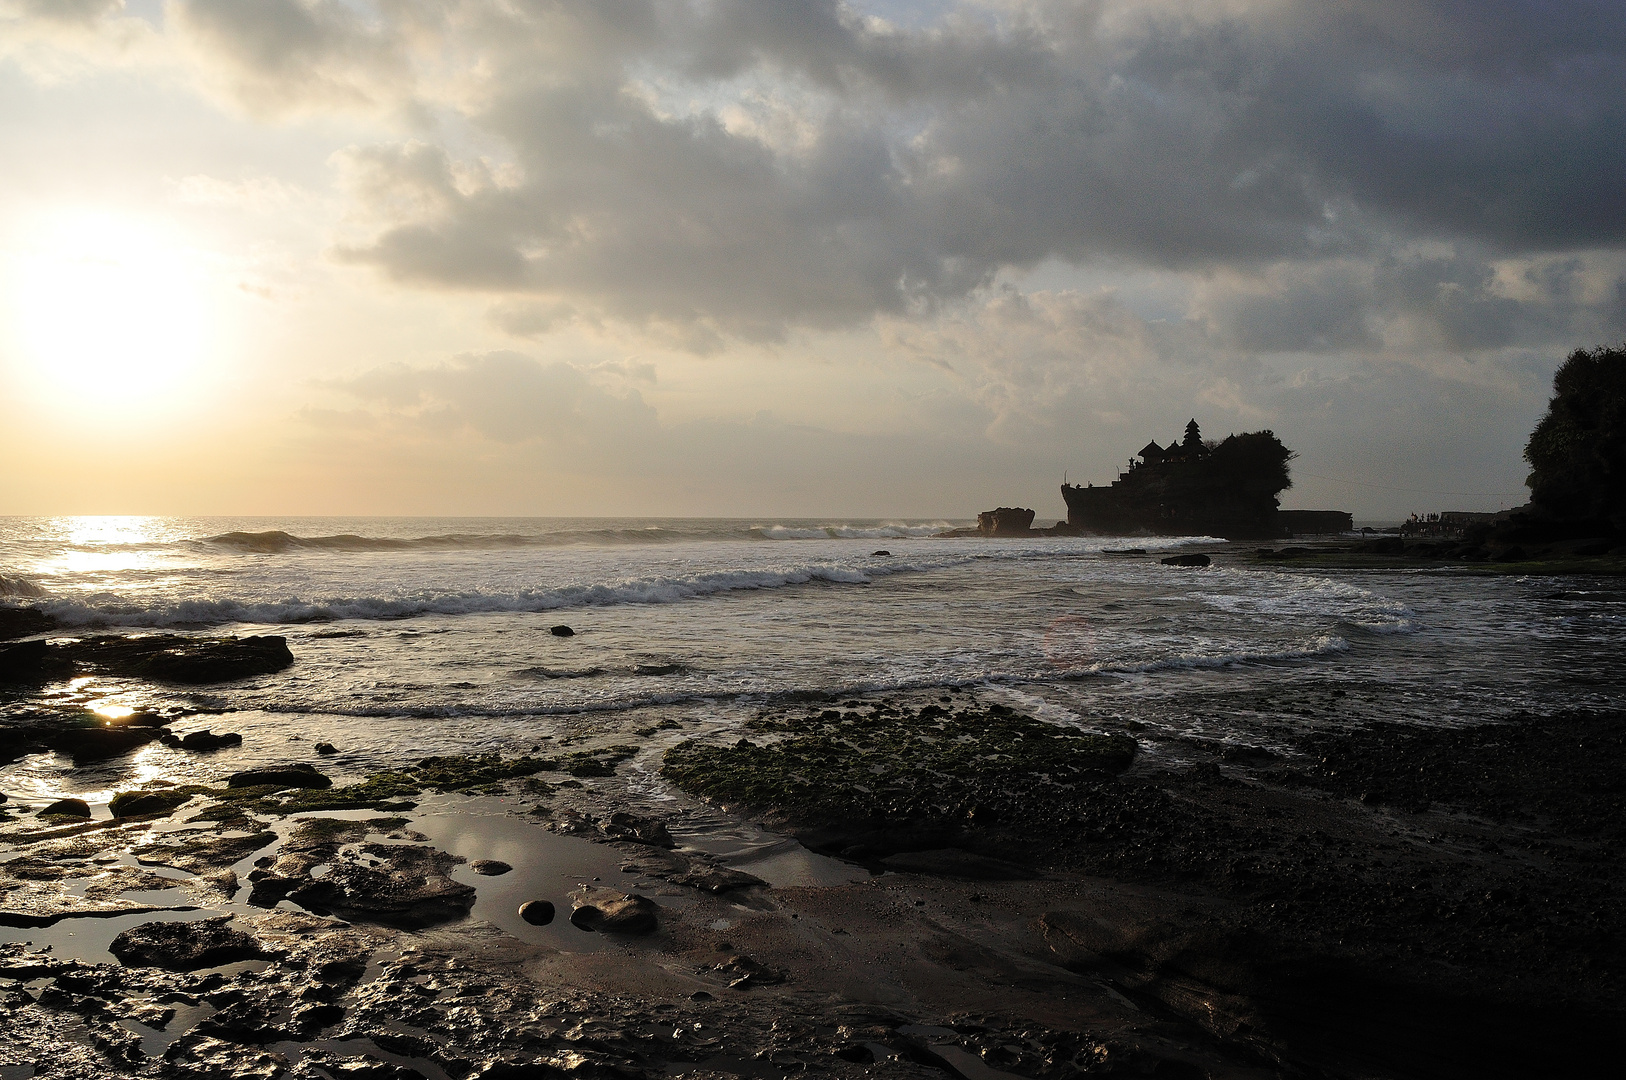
(606, 911)
(206, 740)
(32, 662)
(67, 808)
(129, 804)
(325, 748)
(290, 776)
(1005, 521)
(1187, 560)
(184, 946)
(882, 554)
(16, 622)
(218, 660)
(490, 867)
(537, 912)
(561, 631)
(97, 743)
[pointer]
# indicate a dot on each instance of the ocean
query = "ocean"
(419, 636)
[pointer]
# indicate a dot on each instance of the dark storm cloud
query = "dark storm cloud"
(756, 164)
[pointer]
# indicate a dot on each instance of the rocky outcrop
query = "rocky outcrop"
(1187, 560)
(129, 804)
(183, 946)
(1005, 521)
(163, 657)
(16, 622)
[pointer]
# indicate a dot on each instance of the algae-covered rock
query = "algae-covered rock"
(288, 776)
(933, 765)
(67, 808)
(128, 804)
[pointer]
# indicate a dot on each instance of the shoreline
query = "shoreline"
(1205, 920)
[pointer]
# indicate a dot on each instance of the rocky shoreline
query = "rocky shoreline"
(974, 893)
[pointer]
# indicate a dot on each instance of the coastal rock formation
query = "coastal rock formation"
(203, 740)
(16, 622)
(1005, 521)
(129, 804)
(291, 776)
(182, 946)
(606, 911)
(66, 808)
(163, 657)
(1187, 560)
(1190, 488)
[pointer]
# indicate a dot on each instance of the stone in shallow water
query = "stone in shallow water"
(561, 631)
(181, 946)
(291, 776)
(537, 912)
(609, 912)
(67, 808)
(489, 867)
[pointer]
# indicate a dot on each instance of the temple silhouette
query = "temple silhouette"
(1197, 488)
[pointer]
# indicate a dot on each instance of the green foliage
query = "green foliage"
(1577, 452)
(933, 763)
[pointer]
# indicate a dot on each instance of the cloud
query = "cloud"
(279, 57)
(505, 397)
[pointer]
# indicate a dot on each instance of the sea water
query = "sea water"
(417, 636)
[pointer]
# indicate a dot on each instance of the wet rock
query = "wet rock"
(490, 867)
(181, 946)
(742, 972)
(205, 853)
(204, 740)
(606, 911)
(537, 912)
(882, 554)
(128, 804)
(290, 776)
(97, 743)
(67, 808)
(638, 829)
(16, 622)
(561, 631)
(32, 662)
(218, 661)
(1187, 560)
(408, 887)
(325, 748)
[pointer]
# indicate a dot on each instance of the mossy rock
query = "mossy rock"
(890, 763)
(128, 804)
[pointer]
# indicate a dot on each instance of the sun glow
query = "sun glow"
(109, 312)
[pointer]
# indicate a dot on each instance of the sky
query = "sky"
(878, 258)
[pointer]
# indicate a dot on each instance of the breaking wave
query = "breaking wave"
(278, 542)
(113, 611)
(19, 586)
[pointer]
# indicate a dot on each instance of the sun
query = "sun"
(109, 311)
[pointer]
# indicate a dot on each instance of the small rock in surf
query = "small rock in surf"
(561, 631)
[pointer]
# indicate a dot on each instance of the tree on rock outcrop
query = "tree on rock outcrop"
(1577, 452)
